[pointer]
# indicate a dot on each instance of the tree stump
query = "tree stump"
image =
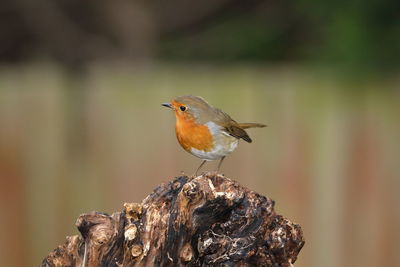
(209, 220)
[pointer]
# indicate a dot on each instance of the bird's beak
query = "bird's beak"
(168, 105)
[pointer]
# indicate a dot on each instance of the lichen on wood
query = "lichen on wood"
(209, 220)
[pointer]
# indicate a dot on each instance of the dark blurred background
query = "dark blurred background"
(74, 33)
(82, 129)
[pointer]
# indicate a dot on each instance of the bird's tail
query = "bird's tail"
(251, 125)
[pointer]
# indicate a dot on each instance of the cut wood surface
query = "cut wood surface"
(209, 220)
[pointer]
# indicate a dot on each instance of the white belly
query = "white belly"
(224, 144)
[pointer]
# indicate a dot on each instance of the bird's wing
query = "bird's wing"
(238, 132)
(231, 126)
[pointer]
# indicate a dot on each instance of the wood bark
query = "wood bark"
(209, 220)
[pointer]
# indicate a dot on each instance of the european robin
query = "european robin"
(207, 132)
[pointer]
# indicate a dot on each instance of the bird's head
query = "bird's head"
(188, 107)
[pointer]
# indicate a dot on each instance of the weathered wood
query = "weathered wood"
(206, 221)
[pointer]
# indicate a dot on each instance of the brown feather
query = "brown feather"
(245, 125)
(238, 132)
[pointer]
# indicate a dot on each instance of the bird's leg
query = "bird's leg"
(220, 163)
(201, 165)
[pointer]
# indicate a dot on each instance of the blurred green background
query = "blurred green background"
(82, 129)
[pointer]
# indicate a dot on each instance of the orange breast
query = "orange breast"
(191, 135)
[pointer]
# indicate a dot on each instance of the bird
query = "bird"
(205, 131)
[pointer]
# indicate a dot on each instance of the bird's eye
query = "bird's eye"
(183, 108)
